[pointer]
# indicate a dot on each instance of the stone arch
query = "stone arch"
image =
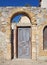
(18, 13)
(23, 11)
(13, 13)
(26, 13)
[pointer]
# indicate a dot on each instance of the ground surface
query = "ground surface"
(23, 62)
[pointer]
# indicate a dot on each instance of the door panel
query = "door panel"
(24, 43)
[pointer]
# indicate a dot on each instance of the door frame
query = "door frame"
(16, 39)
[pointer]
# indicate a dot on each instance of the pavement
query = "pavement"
(23, 62)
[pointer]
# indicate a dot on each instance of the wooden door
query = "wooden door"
(24, 42)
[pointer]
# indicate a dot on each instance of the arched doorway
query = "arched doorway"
(21, 37)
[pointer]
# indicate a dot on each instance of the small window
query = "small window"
(45, 38)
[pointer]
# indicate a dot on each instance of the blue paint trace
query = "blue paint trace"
(19, 2)
(17, 18)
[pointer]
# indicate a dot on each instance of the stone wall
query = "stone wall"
(38, 17)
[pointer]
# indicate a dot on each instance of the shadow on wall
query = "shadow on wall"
(12, 45)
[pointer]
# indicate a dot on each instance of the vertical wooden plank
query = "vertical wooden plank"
(19, 41)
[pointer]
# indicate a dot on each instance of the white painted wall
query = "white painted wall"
(44, 4)
(24, 19)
